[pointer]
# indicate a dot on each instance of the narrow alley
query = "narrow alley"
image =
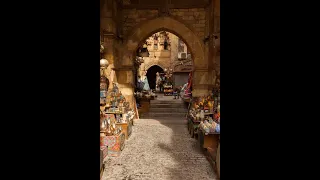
(160, 148)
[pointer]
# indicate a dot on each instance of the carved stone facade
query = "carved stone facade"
(125, 25)
(166, 55)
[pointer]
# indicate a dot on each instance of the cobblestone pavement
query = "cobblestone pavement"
(159, 150)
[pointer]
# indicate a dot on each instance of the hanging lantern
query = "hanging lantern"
(104, 63)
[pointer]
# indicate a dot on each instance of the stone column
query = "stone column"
(212, 31)
(109, 29)
(200, 84)
(110, 53)
(125, 80)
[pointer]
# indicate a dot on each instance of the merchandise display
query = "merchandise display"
(201, 109)
(115, 143)
(204, 121)
(168, 89)
(103, 89)
(116, 121)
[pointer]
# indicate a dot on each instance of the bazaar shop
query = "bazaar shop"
(116, 117)
(204, 124)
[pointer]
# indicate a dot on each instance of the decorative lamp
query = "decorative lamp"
(104, 63)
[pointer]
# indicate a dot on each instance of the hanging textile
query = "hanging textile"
(146, 84)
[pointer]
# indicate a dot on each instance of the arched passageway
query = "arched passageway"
(151, 74)
(140, 33)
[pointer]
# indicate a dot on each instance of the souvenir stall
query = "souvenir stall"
(117, 122)
(104, 84)
(200, 109)
(209, 136)
(168, 89)
(207, 111)
(143, 96)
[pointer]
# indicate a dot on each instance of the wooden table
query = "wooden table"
(209, 141)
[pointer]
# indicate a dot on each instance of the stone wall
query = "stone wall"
(164, 58)
(132, 17)
(195, 17)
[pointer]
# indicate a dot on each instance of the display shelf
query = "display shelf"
(168, 91)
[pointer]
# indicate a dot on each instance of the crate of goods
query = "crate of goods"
(115, 144)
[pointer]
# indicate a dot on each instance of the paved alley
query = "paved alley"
(159, 148)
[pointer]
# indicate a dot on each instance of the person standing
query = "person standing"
(176, 93)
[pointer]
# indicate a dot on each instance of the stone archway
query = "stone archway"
(124, 70)
(150, 65)
(146, 29)
(142, 31)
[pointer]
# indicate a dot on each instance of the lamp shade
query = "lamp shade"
(104, 63)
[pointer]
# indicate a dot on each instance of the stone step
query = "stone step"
(161, 114)
(178, 109)
(172, 105)
(177, 101)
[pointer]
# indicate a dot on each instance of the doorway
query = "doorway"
(151, 75)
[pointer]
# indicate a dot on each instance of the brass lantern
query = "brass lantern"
(104, 63)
